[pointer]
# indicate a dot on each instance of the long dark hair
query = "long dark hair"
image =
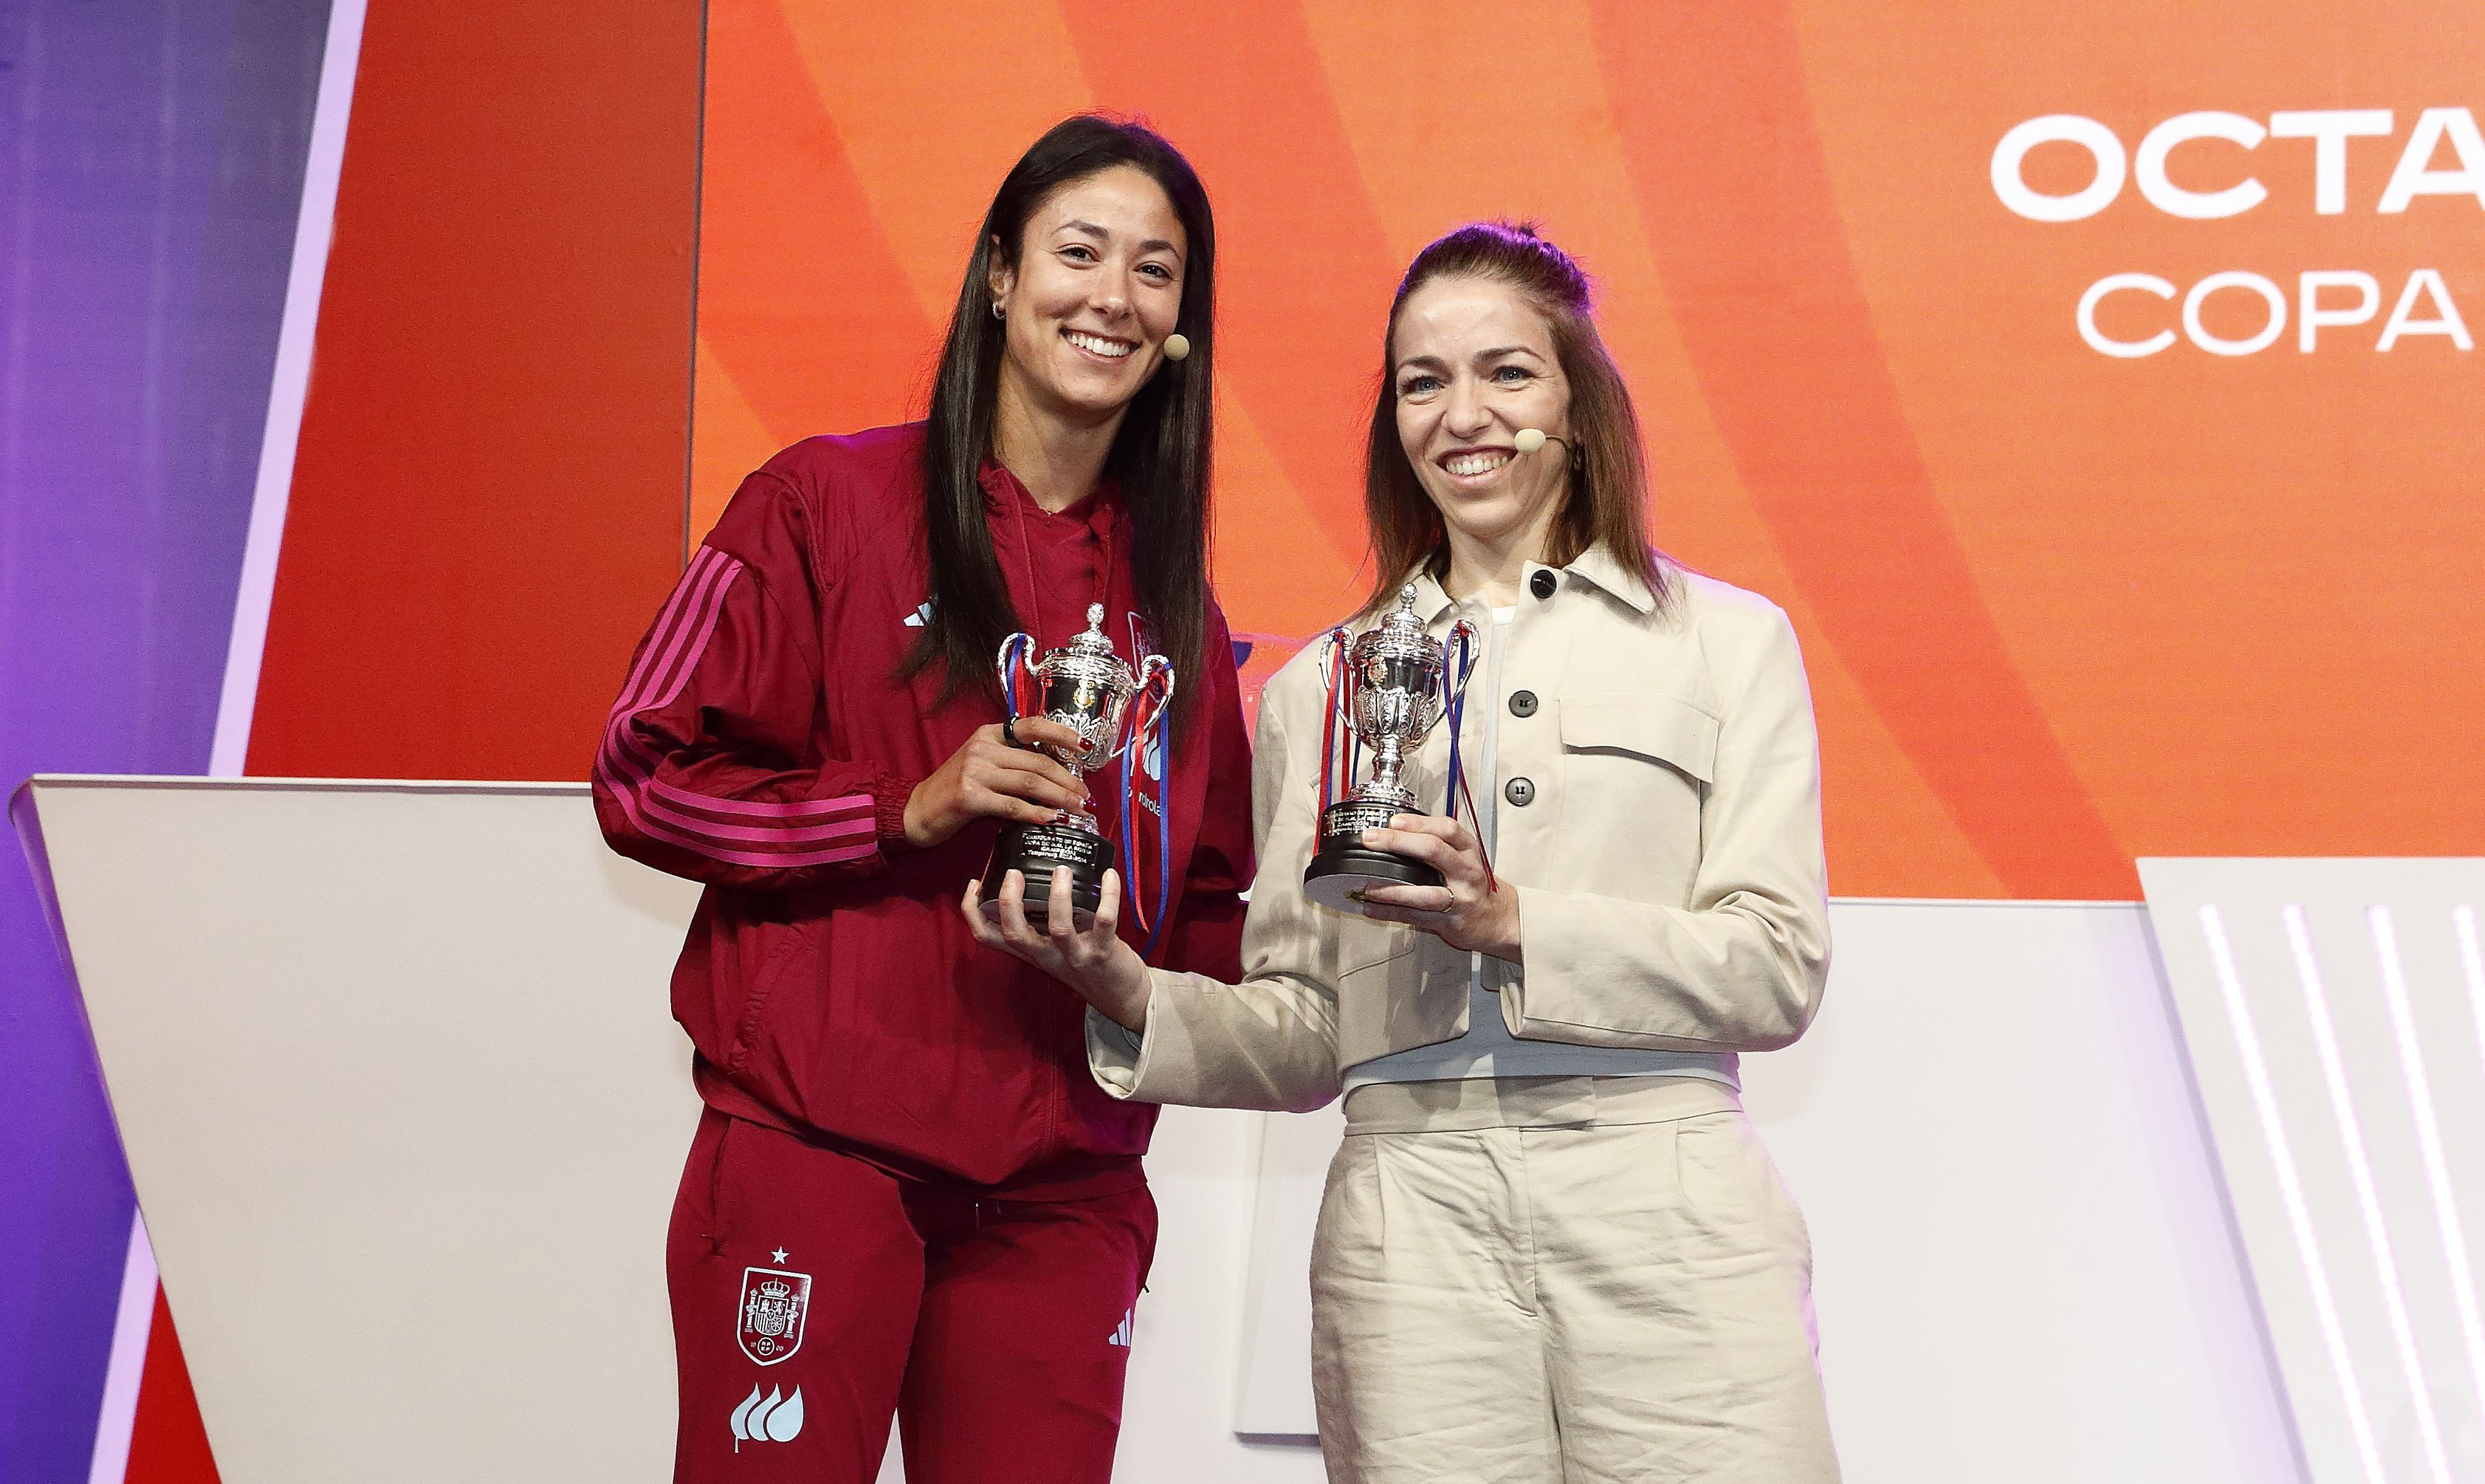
(1161, 455)
(1608, 473)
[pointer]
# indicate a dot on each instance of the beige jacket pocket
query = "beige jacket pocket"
(1652, 725)
(1635, 767)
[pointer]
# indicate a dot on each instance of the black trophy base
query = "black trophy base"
(1038, 850)
(1345, 867)
(1338, 877)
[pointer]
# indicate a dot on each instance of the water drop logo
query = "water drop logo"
(773, 1418)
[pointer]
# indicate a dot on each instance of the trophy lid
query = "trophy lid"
(1400, 634)
(1095, 640)
(1401, 622)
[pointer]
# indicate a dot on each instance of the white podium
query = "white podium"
(396, 1078)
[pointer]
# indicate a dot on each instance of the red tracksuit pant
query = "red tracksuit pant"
(814, 1295)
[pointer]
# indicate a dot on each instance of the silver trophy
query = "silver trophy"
(1088, 687)
(1394, 685)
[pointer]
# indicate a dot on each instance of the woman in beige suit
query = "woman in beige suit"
(1551, 1246)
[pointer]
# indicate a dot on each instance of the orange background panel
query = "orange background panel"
(2240, 589)
(2061, 610)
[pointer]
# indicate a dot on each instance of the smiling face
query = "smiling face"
(1471, 363)
(1096, 291)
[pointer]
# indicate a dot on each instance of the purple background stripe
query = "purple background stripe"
(150, 169)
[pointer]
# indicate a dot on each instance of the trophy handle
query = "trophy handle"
(1337, 681)
(1463, 634)
(1017, 652)
(1152, 669)
(1333, 701)
(1332, 651)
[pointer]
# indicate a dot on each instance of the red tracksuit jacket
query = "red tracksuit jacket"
(761, 745)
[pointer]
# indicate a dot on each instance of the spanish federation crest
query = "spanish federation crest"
(774, 1306)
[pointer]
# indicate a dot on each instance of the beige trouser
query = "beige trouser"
(1565, 1279)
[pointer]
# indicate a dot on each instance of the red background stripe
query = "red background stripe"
(489, 500)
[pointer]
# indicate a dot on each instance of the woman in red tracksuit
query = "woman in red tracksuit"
(906, 1195)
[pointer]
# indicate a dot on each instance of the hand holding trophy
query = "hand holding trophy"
(1088, 687)
(1391, 685)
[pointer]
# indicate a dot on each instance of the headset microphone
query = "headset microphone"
(1177, 346)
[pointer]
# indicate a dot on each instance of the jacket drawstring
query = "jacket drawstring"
(1027, 566)
(1019, 498)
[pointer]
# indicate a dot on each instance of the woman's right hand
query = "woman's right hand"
(987, 776)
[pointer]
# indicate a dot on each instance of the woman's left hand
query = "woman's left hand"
(1472, 911)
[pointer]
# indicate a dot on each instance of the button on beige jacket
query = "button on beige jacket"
(1671, 888)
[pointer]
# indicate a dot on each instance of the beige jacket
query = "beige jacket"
(1667, 856)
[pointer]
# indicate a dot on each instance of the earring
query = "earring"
(999, 313)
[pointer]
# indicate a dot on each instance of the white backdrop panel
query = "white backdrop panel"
(2336, 1015)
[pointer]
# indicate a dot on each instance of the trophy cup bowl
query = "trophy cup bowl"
(1088, 687)
(1395, 678)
